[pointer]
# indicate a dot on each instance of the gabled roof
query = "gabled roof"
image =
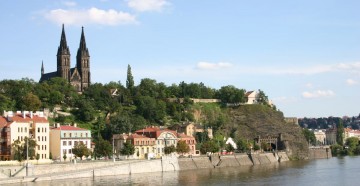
(248, 93)
(67, 127)
(137, 136)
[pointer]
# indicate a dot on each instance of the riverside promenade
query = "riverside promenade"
(55, 171)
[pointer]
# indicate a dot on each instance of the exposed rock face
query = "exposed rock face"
(251, 121)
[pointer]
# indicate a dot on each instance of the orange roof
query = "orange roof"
(3, 122)
(182, 135)
(154, 131)
(19, 118)
(67, 127)
(133, 136)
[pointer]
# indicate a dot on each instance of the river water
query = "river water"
(334, 171)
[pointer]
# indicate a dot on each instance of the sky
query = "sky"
(304, 54)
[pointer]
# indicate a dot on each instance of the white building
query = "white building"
(251, 97)
(320, 136)
(64, 138)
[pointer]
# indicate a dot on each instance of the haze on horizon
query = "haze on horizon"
(304, 55)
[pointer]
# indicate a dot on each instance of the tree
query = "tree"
(37, 156)
(17, 149)
(169, 149)
(80, 150)
(128, 149)
(182, 147)
(309, 136)
(231, 94)
(209, 146)
(262, 98)
(102, 148)
(340, 133)
(130, 80)
(64, 157)
(229, 148)
(31, 102)
(243, 145)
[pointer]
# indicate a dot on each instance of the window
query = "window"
(21, 129)
(38, 129)
(86, 134)
(64, 151)
(45, 138)
(21, 138)
(64, 143)
(45, 147)
(70, 135)
(45, 131)
(70, 151)
(70, 143)
(81, 134)
(18, 129)
(42, 138)
(64, 135)
(38, 147)
(38, 138)
(25, 129)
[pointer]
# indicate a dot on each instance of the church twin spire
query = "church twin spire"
(79, 76)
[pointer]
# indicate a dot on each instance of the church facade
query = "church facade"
(79, 76)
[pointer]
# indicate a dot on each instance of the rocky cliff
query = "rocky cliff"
(250, 121)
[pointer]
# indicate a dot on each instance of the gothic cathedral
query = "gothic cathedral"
(79, 77)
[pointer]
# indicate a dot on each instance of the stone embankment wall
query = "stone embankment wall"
(95, 169)
(320, 153)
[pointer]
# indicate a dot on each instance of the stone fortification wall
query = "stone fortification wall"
(244, 159)
(202, 162)
(283, 157)
(228, 161)
(187, 164)
(320, 153)
(96, 169)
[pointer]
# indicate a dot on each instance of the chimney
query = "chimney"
(23, 114)
(31, 114)
(75, 125)
(57, 125)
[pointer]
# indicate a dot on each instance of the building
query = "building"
(251, 97)
(190, 141)
(320, 136)
(63, 138)
(190, 129)
(79, 76)
(23, 125)
(351, 133)
(144, 146)
(330, 136)
(292, 120)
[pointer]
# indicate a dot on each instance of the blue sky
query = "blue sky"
(304, 54)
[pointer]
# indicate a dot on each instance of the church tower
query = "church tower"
(83, 62)
(63, 57)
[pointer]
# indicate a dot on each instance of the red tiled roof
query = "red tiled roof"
(67, 127)
(3, 122)
(153, 131)
(182, 135)
(19, 118)
(133, 136)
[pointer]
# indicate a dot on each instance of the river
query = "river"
(334, 171)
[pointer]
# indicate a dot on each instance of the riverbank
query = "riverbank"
(94, 169)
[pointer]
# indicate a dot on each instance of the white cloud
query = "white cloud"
(351, 82)
(213, 66)
(69, 3)
(90, 16)
(309, 85)
(318, 94)
(147, 5)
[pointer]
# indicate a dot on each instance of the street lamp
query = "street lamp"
(113, 149)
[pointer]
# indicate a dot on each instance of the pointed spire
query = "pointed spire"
(63, 48)
(42, 67)
(82, 40)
